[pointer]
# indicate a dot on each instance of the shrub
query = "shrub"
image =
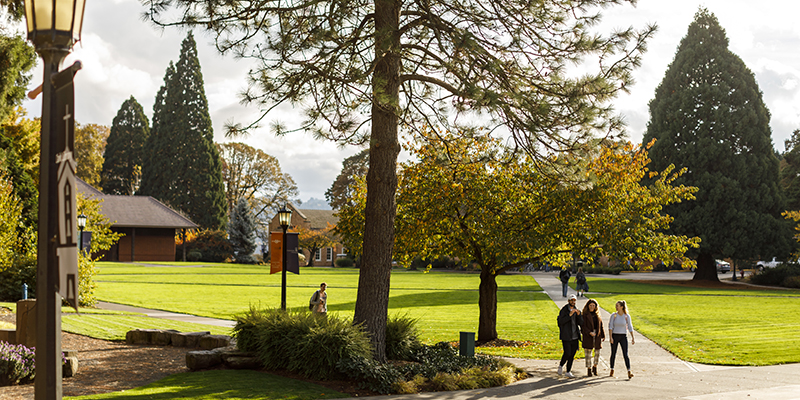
(776, 276)
(299, 341)
(791, 282)
(345, 262)
(370, 374)
(17, 364)
(213, 246)
(402, 338)
(86, 284)
(194, 255)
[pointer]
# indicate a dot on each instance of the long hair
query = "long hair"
(624, 306)
(596, 308)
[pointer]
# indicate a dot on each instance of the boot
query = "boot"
(611, 374)
(589, 372)
(630, 375)
(594, 370)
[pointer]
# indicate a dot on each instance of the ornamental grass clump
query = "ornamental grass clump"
(17, 364)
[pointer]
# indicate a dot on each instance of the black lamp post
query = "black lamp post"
(53, 27)
(285, 218)
(81, 226)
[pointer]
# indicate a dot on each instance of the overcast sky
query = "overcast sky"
(123, 56)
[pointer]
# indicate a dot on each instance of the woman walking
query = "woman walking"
(593, 335)
(618, 327)
(580, 282)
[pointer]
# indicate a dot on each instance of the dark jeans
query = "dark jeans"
(564, 287)
(570, 348)
(622, 340)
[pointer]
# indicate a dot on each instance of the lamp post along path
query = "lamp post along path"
(54, 26)
(285, 218)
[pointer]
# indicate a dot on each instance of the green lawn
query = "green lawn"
(223, 384)
(712, 326)
(444, 303)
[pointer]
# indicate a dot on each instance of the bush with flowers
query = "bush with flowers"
(17, 364)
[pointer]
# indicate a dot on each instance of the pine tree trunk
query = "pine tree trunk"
(706, 268)
(372, 302)
(487, 303)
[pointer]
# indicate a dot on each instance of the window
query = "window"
(318, 255)
(329, 253)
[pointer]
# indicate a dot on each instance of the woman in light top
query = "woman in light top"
(618, 327)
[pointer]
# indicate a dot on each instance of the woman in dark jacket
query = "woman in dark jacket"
(593, 335)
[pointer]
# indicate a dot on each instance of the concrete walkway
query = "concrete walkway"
(167, 315)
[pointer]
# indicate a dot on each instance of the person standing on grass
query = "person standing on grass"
(564, 276)
(593, 335)
(580, 282)
(569, 326)
(319, 300)
(618, 327)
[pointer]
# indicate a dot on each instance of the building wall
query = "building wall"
(146, 244)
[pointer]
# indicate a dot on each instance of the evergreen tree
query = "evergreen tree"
(182, 166)
(242, 232)
(341, 190)
(122, 167)
(17, 58)
(708, 115)
(790, 171)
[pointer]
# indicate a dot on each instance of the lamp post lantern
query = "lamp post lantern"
(285, 218)
(81, 225)
(54, 26)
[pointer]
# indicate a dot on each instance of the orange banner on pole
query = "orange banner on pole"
(275, 252)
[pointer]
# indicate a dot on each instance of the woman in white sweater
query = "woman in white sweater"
(618, 327)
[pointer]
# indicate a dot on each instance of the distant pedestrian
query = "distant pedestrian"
(569, 326)
(618, 327)
(319, 301)
(564, 275)
(593, 335)
(580, 282)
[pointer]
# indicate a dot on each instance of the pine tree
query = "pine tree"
(790, 171)
(17, 58)
(182, 166)
(242, 232)
(122, 167)
(708, 116)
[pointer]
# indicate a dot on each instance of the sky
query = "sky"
(123, 56)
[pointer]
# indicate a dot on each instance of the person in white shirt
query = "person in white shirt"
(618, 327)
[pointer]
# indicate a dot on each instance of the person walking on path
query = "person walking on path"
(618, 327)
(564, 276)
(593, 335)
(580, 282)
(569, 326)
(319, 301)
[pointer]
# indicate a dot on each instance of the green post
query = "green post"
(466, 346)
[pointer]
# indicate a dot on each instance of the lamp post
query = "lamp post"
(285, 218)
(81, 226)
(53, 26)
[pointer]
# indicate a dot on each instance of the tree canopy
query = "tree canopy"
(362, 69)
(354, 166)
(124, 153)
(708, 115)
(17, 58)
(790, 171)
(182, 167)
(90, 144)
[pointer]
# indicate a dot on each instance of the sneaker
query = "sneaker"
(560, 370)
(569, 375)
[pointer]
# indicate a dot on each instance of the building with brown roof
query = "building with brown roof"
(148, 225)
(312, 220)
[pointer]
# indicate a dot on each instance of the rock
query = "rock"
(214, 341)
(70, 368)
(189, 339)
(242, 362)
(70, 353)
(140, 336)
(202, 359)
(162, 338)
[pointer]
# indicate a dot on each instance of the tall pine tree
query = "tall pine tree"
(790, 171)
(122, 167)
(242, 232)
(708, 116)
(182, 166)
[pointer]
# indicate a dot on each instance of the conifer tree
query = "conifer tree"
(708, 115)
(242, 232)
(122, 167)
(790, 171)
(182, 166)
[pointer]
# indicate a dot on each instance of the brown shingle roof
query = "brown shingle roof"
(319, 219)
(136, 211)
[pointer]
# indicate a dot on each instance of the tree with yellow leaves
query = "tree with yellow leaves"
(315, 239)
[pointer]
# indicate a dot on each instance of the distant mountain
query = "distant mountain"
(315, 204)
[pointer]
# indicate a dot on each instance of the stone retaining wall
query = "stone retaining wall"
(213, 349)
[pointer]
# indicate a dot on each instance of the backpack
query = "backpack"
(314, 297)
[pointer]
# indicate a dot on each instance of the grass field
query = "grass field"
(444, 303)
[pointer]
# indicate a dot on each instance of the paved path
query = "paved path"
(167, 315)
